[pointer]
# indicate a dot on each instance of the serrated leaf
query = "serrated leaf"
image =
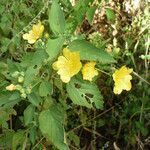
(53, 47)
(34, 99)
(56, 18)
(4, 116)
(73, 137)
(6, 139)
(90, 52)
(18, 139)
(33, 135)
(38, 57)
(28, 114)
(30, 74)
(45, 88)
(5, 42)
(110, 15)
(8, 97)
(51, 126)
(12, 67)
(90, 14)
(84, 93)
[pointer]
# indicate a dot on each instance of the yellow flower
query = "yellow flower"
(11, 87)
(67, 65)
(34, 34)
(89, 71)
(122, 79)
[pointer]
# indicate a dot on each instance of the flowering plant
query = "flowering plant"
(74, 62)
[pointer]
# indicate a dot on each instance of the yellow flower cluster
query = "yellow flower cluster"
(69, 65)
(34, 34)
(122, 79)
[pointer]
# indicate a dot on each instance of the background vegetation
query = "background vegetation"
(45, 113)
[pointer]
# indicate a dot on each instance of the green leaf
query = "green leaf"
(4, 116)
(33, 135)
(28, 114)
(51, 126)
(6, 139)
(90, 14)
(74, 138)
(9, 97)
(18, 139)
(5, 42)
(90, 52)
(80, 14)
(30, 75)
(12, 67)
(45, 88)
(54, 46)
(34, 99)
(38, 57)
(110, 15)
(84, 93)
(56, 18)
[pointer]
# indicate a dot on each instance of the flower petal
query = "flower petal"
(88, 71)
(67, 65)
(122, 79)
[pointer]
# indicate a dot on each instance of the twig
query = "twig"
(73, 147)
(92, 118)
(95, 133)
(141, 78)
(38, 143)
(103, 71)
(146, 53)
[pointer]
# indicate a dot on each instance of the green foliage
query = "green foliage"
(18, 139)
(54, 46)
(38, 110)
(45, 88)
(28, 114)
(56, 18)
(51, 126)
(85, 94)
(90, 52)
(90, 14)
(110, 15)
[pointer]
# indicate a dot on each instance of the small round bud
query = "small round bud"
(46, 35)
(22, 90)
(28, 90)
(117, 50)
(23, 95)
(142, 57)
(128, 54)
(18, 87)
(15, 74)
(20, 79)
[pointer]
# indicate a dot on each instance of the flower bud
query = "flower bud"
(20, 79)
(11, 87)
(18, 87)
(28, 90)
(23, 95)
(46, 35)
(15, 74)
